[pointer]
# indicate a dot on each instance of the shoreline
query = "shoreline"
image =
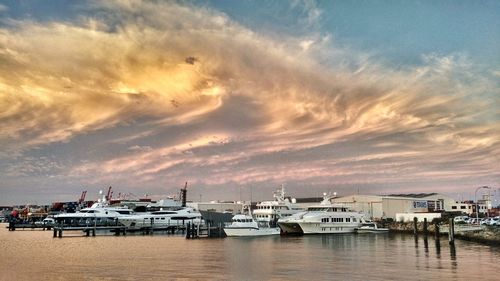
(487, 236)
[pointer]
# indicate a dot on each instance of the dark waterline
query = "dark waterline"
(35, 255)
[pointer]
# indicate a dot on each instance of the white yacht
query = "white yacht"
(100, 213)
(368, 226)
(161, 219)
(324, 218)
(269, 212)
(245, 225)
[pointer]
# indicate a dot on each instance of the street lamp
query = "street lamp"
(477, 203)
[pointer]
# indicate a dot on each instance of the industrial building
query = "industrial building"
(389, 206)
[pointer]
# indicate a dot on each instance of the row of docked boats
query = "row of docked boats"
(283, 216)
(279, 216)
(102, 214)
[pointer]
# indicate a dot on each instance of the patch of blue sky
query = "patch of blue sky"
(400, 32)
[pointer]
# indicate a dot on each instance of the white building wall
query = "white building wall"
(370, 205)
(394, 205)
(408, 217)
(234, 208)
(380, 207)
(377, 207)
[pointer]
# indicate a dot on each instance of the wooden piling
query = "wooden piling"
(451, 231)
(438, 246)
(60, 232)
(436, 230)
(55, 233)
(425, 227)
(415, 226)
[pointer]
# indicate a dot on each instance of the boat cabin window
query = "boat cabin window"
(165, 213)
(347, 220)
(318, 209)
(123, 212)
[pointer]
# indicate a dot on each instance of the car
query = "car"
(473, 221)
(46, 221)
(494, 221)
(485, 221)
(460, 219)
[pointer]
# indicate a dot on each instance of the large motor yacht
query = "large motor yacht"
(264, 217)
(99, 214)
(161, 219)
(323, 218)
(245, 225)
(269, 212)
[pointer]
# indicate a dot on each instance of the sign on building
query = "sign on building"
(420, 204)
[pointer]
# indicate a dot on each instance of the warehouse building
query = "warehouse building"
(388, 206)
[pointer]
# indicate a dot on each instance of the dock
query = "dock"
(117, 229)
(32, 226)
(194, 231)
(58, 230)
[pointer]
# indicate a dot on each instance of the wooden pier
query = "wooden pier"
(32, 226)
(194, 231)
(170, 229)
(117, 229)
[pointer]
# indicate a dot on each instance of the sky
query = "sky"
(239, 97)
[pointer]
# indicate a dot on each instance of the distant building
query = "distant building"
(387, 206)
(216, 206)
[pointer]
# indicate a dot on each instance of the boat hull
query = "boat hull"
(241, 232)
(290, 228)
(372, 230)
(318, 228)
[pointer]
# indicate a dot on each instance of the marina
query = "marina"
(132, 257)
(381, 119)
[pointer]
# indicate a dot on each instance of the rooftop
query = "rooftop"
(414, 195)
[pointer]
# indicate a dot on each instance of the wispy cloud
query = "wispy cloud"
(244, 107)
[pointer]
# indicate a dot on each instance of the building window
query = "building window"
(462, 207)
(453, 207)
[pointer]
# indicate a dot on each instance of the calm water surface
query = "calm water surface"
(35, 255)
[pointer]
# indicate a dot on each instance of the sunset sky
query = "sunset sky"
(239, 97)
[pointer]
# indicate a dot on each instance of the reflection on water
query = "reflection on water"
(36, 255)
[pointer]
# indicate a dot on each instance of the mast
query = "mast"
(108, 196)
(183, 195)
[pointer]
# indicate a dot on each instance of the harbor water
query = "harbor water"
(35, 255)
